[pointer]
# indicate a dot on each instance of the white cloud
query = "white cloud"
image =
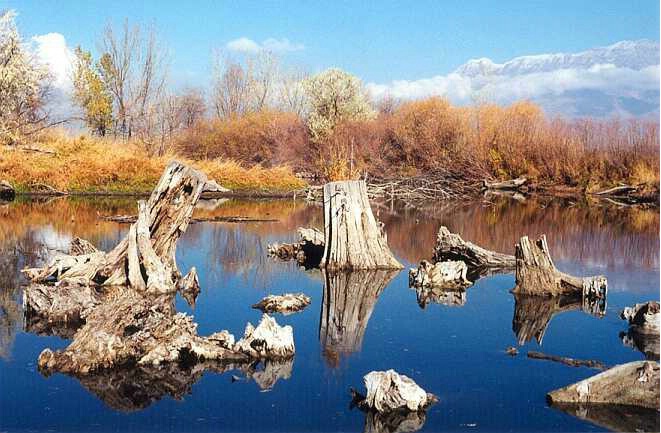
(633, 73)
(247, 45)
(51, 50)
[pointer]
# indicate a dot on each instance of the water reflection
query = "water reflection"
(647, 344)
(348, 301)
(435, 295)
(615, 417)
(532, 314)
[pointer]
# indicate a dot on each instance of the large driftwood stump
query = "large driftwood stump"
(122, 302)
(442, 275)
(480, 261)
(537, 275)
(389, 391)
(631, 384)
(348, 301)
(354, 239)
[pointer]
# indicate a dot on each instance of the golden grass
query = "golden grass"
(89, 164)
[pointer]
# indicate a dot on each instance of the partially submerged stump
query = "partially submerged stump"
(353, 238)
(7, 191)
(537, 275)
(123, 301)
(307, 251)
(286, 304)
(480, 261)
(389, 391)
(631, 384)
(442, 275)
(643, 318)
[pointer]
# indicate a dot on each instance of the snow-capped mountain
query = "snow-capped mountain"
(620, 79)
(625, 54)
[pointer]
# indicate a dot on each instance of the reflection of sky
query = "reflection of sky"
(455, 352)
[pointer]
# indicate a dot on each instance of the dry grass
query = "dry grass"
(85, 164)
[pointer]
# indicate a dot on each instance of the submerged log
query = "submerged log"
(512, 184)
(567, 361)
(307, 251)
(442, 275)
(389, 391)
(631, 384)
(353, 238)
(537, 275)
(348, 301)
(286, 304)
(7, 191)
(480, 261)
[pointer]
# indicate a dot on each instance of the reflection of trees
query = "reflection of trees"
(348, 301)
(614, 417)
(532, 314)
(585, 231)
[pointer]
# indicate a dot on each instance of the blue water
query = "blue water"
(456, 352)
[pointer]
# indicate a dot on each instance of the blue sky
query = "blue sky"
(378, 41)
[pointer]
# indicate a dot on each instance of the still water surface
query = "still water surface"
(456, 351)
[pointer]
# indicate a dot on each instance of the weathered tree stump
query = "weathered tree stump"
(307, 251)
(480, 261)
(389, 391)
(353, 238)
(122, 302)
(537, 275)
(442, 275)
(631, 384)
(643, 318)
(348, 301)
(286, 304)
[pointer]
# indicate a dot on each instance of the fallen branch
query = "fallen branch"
(513, 184)
(567, 361)
(129, 219)
(480, 261)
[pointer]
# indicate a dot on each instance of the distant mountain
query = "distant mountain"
(617, 80)
(625, 54)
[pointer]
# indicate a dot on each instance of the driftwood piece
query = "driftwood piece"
(7, 191)
(643, 318)
(348, 301)
(307, 251)
(389, 391)
(617, 190)
(512, 184)
(353, 238)
(81, 246)
(567, 361)
(286, 304)
(632, 384)
(129, 219)
(537, 275)
(480, 261)
(442, 275)
(532, 314)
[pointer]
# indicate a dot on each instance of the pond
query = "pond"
(452, 345)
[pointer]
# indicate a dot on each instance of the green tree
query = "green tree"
(91, 93)
(335, 96)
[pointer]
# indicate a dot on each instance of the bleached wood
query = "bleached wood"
(353, 238)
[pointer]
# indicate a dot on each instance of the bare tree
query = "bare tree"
(191, 106)
(291, 94)
(133, 66)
